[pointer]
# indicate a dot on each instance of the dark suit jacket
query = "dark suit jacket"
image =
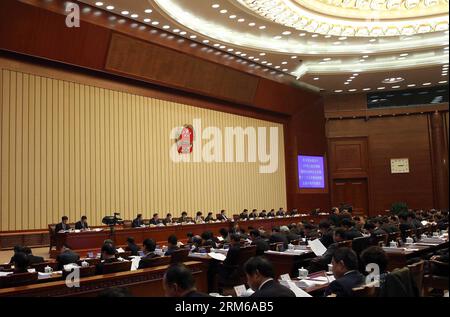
(343, 286)
(232, 256)
(261, 246)
(273, 289)
(262, 214)
(181, 219)
(155, 222)
(327, 238)
(133, 248)
(271, 214)
(81, 225)
(222, 217)
(196, 294)
(66, 257)
(292, 236)
(171, 250)
(99, 266)
(166, 221)
(278, 237)
(59, 227)
(243, 216)
(146, 260)
(352, 234)
(32, 259)
(209, 218)
(253, 215)
(137, 223)
(280, 213)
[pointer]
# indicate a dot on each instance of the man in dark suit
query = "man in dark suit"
(244, 215)
(20, 262)
(334, 217)
(278, 237)
(229, 265)
(183, 218)
(209, 217)
(179, 282)
(374, 231)
(208, 239)
(138, 221)
(280, 213)
(345, 271)
(172, 242)
(82, 224)
(290, 236)
(321, 262)
(253, 214)
(404, 225)
(263, 214)
(222, 216)
(66, 256)
(132, 246)
(17, 249)
(326, 233)
(63, 225)
(261, 244)
(155, 220)
(108, 256)
(168, 220)
(387, 226)
(294, 212)
(32, 259)
(351, 232)
(271, 213)
(260, 277)
(149, 253)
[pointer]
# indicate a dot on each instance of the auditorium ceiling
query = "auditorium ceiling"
(336, 46)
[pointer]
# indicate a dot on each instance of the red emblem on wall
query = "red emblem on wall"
(185, 140)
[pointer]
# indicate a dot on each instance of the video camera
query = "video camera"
(112, 220)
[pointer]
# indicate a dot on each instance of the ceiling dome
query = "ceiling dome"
(358, 18)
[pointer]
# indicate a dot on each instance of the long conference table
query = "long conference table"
(92, 240)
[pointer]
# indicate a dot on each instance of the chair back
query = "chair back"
(417, 272)
(368, 290)
(158, 261)
(116, 267)
(18, 279)
(40, 267)
(179, 256)
(52, 236)
(360, 244)
(84, 271)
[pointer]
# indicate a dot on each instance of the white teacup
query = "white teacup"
(435, 234)
(302, 273)
(48, 269)
(423, 236)
(409, 240)
(393, 244)
(84, 264)
(330, 268)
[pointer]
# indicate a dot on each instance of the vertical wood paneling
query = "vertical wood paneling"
(73, 149)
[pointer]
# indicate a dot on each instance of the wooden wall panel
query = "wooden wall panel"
(158, 64)
(94, 151)
(348, 157)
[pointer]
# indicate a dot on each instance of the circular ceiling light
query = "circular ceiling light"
(393, 80)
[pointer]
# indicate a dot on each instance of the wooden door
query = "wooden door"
(351, 192)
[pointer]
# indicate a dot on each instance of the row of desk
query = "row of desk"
(85, 241)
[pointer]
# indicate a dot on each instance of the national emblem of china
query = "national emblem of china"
(185, 139)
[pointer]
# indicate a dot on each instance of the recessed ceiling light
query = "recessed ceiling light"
(222, 47)
(99, 4)
(365, 56)
(252, 24)
(241, 20)
(337, 43)
(412, 85)
(165, 27)
(215, 6)
(327, 59)
(395, 87)
(155, 23)
(238, 52)
(176, 30)
(262, 54)
(347, 83)
(293, 57)
(262, 27)
(342, 38)
(110, 7)
(426, 84)
(285, 69)
(352, 90)
(232, 16)
(315, 35)
(316, 78)
(443, 82)
(327, 36)
(125, 12)
(193, 36)
(338, 90)
(372, 40)
(269, 64)
(148, 11)
(362, 60)
(302, 34)
(404, 54)
(366, 89)
(277, 66)
(230, 49)
(284, 63)
(205, 41)
(401, 58)
(216, 45)
(286, 33)
(393, 80)
(183, 33)
(256, 59)
(355, 75)
(381, 88)
(277, 37)
(223, 11)
(147, 20)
